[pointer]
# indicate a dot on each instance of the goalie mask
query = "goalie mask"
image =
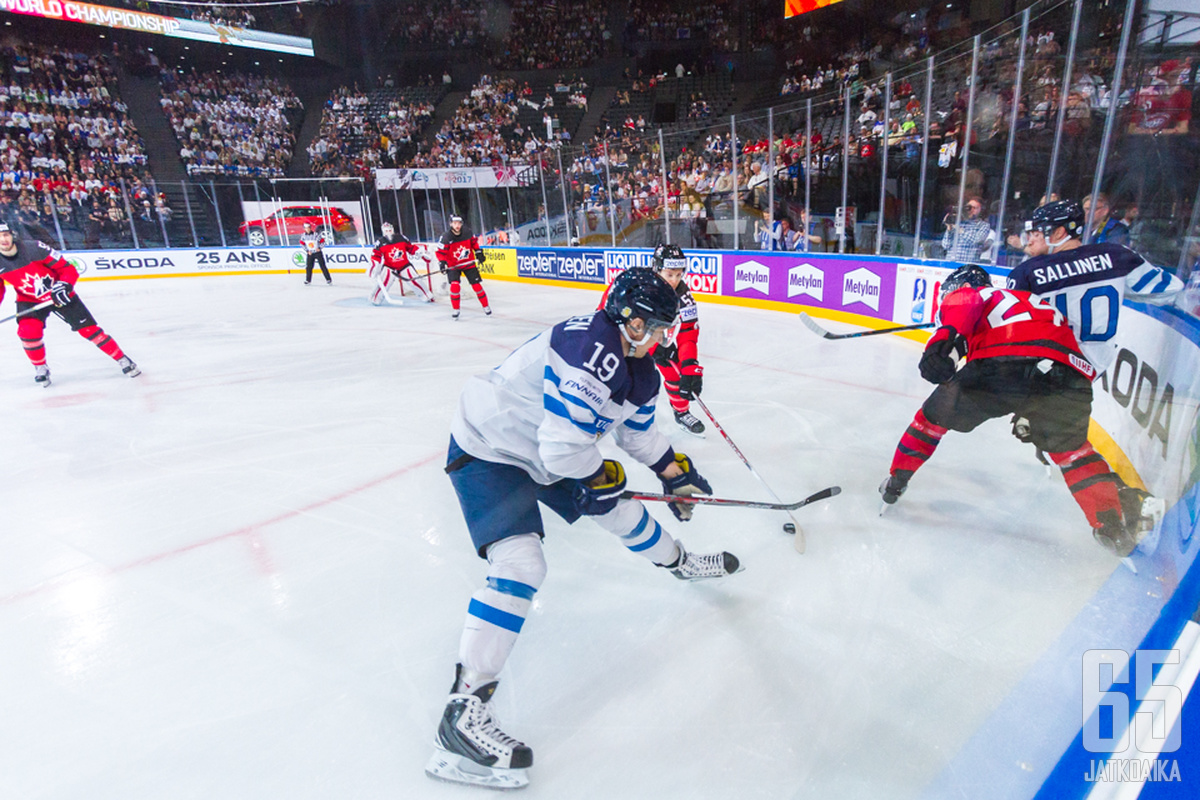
(387, 230)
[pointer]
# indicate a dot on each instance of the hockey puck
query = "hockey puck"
(789, 527)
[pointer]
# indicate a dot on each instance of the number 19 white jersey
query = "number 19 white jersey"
(545, 408)
(1088, 284)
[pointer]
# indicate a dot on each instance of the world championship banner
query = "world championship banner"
(177, 28)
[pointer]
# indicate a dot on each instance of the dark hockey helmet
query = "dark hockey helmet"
(638, 293)
(966, 275)
(669, 256)
(1065, 213)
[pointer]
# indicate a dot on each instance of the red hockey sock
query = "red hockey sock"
(1092, 482)
(35, 350)
(29, 331)
(481, 294)
(96, 335)
(917, 444)
(454, 295)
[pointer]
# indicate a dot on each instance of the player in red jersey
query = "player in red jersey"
(391, 263)
(1022, 358)
(683, 377)
(39, 274)
(460, 252)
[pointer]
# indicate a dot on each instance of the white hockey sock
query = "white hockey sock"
(497, 611)
(639, 532)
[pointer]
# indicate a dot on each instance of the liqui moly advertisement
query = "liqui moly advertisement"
(843, 284)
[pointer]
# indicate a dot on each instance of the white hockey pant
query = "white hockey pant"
(496, 613)
(418, 283)
(384, 280)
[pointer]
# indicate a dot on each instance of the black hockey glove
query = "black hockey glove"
(599, 494)
(665, 355)
(690, 482)
(60, 293)
(480, 256)
(939, 362)
(690, 386)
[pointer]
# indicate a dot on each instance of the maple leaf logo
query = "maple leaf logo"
(36, 285)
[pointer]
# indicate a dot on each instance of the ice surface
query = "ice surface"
(244, 574)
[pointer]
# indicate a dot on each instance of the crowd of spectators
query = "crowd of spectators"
(354, 141)
(654, 21)
(229, 123)
(450, 23)
(486, 128)
(545, 34)
(70, 157)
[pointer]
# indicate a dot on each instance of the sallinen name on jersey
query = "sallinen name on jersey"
(1082, 266)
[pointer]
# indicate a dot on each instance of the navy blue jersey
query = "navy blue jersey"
(1087, 284)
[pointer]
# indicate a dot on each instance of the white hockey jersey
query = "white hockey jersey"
(1088, 284)
(547, 406)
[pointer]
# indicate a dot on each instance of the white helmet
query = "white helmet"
(387, 229)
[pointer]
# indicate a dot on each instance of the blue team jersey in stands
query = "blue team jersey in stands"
(1087, 284)
(547, 406)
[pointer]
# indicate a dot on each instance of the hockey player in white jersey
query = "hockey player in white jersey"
(528, 431)
(1086, 282)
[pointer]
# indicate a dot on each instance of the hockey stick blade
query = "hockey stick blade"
(28, 311)
(812, 325)
(698, 499)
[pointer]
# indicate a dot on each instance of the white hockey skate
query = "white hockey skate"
(694, 567)
(42, 375)
(472, 749)
(128, 367)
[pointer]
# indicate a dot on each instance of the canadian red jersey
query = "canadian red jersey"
(32, 270)
(457, 251)
(1005, 323)
(394, 253)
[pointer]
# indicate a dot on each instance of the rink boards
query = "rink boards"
(1050, 733)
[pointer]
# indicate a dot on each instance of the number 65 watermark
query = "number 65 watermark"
(1112, 728)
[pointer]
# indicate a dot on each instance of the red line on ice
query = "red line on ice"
(260, 558)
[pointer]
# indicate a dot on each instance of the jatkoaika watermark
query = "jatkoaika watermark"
(1132, 743)
(1132, 770)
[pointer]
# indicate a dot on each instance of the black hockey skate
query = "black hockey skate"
(472, 749)
(688, 421)
(1141, 512)
(1113, 535)
(693, 567)
(892, 487)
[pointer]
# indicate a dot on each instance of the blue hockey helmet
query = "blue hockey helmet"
(1061, 213)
